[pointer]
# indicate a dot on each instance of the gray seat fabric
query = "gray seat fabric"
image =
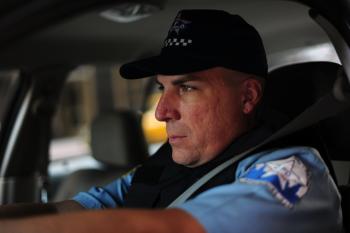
(117, 141)
(304, 83)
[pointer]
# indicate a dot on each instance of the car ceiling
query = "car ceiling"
(90, 38)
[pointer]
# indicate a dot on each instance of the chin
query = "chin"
(185, 161)
(183, 158)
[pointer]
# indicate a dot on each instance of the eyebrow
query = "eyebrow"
(181, 80)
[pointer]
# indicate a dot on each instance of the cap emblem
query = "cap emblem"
(179, 24)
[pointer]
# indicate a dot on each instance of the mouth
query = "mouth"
(176, 139)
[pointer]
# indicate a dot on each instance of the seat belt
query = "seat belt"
(325, 107)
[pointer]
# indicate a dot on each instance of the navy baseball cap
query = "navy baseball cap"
(202, 39)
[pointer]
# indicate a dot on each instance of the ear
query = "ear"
(252, 93)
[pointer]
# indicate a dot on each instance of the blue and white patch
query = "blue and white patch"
(286, 178)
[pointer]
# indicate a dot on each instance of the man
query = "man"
(211, 72)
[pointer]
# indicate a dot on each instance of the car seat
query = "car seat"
(291, 89)
(117, 141)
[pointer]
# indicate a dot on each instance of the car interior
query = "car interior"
(124, 127)
(68, 121)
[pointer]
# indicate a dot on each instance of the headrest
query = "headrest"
(117, 139)
(293, 88)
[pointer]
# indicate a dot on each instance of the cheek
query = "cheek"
(221, 120)
(195, 118)
(196, 114)
(210, 132)
(202, 120)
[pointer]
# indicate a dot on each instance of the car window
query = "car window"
(90, 91)
(69, 147)
(154, 130)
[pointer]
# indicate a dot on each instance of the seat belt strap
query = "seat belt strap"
(325, 107)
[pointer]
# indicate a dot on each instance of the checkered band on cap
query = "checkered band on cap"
(177, 42)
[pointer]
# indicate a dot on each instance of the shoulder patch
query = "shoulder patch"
(287, 179)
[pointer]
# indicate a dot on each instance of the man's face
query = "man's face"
(203, 111)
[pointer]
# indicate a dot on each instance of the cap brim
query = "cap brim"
(165, 65)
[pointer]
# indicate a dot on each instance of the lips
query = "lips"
(176, 132)
(176, 139)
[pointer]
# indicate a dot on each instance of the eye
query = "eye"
(160, 87)
(186, 88)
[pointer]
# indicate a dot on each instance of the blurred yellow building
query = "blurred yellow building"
(154, 130)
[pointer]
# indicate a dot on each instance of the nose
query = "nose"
(167, 108)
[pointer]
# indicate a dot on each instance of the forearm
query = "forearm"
(33, 209)
(107, 221)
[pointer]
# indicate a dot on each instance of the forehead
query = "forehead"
(210, 75)
(214, 77)
(176, 79)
